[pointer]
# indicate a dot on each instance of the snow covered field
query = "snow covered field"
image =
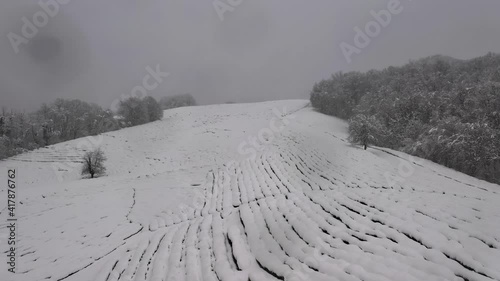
(184, 199)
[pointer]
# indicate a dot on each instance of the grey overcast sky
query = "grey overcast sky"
(97, 50)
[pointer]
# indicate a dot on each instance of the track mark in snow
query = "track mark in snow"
(303, 209)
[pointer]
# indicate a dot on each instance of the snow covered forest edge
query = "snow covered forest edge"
(439, 108)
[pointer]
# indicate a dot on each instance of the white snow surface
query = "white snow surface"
(180, 202)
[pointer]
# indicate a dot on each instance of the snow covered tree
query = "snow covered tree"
(2, 125)
(133, 111)
(364, 130)
(59, 121)
(154, 109)
(93, 163)
(177, 101)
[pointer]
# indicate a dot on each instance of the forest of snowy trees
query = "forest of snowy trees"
(64, 120)
(177, 101)
(439, 108)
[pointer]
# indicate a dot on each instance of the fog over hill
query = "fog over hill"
(260, 50)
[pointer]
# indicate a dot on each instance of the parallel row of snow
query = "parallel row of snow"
(309, 207)
(287, 215)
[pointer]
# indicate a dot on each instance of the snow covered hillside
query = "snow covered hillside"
(265, 191)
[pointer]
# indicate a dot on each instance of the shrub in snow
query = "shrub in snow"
(364, 130)
(133, 112)
(93, 163)
(177, 101)
(153, 108)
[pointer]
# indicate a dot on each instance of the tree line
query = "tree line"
(439, 108)
(64, 120)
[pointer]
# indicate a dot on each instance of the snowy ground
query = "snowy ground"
(185, 200)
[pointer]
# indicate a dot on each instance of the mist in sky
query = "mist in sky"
(259, 50)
